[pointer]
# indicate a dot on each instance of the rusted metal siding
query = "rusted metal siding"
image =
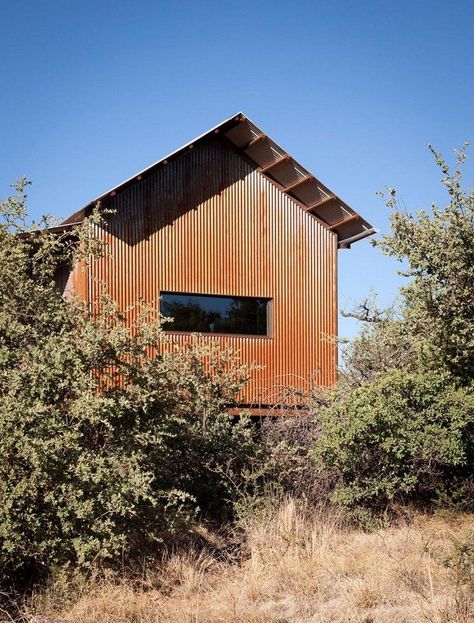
(209, 222)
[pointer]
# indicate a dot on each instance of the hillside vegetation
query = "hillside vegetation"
(110, 458)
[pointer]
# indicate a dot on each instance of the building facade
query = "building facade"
(238, 242)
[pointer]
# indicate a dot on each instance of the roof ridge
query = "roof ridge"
(275, 164)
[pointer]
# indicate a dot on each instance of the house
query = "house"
(240, 243)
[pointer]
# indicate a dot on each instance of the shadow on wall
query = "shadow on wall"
(173, 189)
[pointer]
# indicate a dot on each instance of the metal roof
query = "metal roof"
(279, 167)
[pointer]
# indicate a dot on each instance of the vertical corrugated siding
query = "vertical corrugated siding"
(208, 222)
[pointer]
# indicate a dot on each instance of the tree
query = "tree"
(104, 450)
(382, 344)
(437, 250)
(402, 427)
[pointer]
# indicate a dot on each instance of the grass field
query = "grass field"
(290, 565)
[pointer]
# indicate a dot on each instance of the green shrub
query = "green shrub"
(405, 437)
(99, 475)
(104, 451)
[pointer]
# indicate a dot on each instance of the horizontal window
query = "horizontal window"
(204, 313)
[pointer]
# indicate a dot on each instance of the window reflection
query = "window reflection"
(215, 314)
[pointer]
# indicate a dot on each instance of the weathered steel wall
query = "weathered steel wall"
(209, 222)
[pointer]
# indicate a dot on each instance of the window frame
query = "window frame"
(269, 313)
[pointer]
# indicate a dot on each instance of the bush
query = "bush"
(288, 468)
(404, 437)
(104, 449)
(99, 475)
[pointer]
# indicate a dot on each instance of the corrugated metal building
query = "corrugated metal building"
(239, 242)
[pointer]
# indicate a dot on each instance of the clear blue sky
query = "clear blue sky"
(92, 92)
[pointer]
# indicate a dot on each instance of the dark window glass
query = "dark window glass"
(215, 314)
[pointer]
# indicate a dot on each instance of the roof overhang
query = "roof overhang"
(279, 167)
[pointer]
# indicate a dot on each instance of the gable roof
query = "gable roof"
(278, 166)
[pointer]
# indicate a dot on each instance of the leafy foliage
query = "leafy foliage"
(104, 450)
(401, 424)
(406, 436)
(437, 250)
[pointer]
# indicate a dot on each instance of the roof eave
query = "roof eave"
(279, 167)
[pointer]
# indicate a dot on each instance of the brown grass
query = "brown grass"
(299, 567)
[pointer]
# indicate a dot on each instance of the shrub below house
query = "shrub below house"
(404, 437)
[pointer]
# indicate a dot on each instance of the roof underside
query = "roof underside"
(280, 168)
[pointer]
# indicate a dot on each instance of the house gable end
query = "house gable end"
(278, 166)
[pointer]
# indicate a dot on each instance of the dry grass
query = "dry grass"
(298, 568)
